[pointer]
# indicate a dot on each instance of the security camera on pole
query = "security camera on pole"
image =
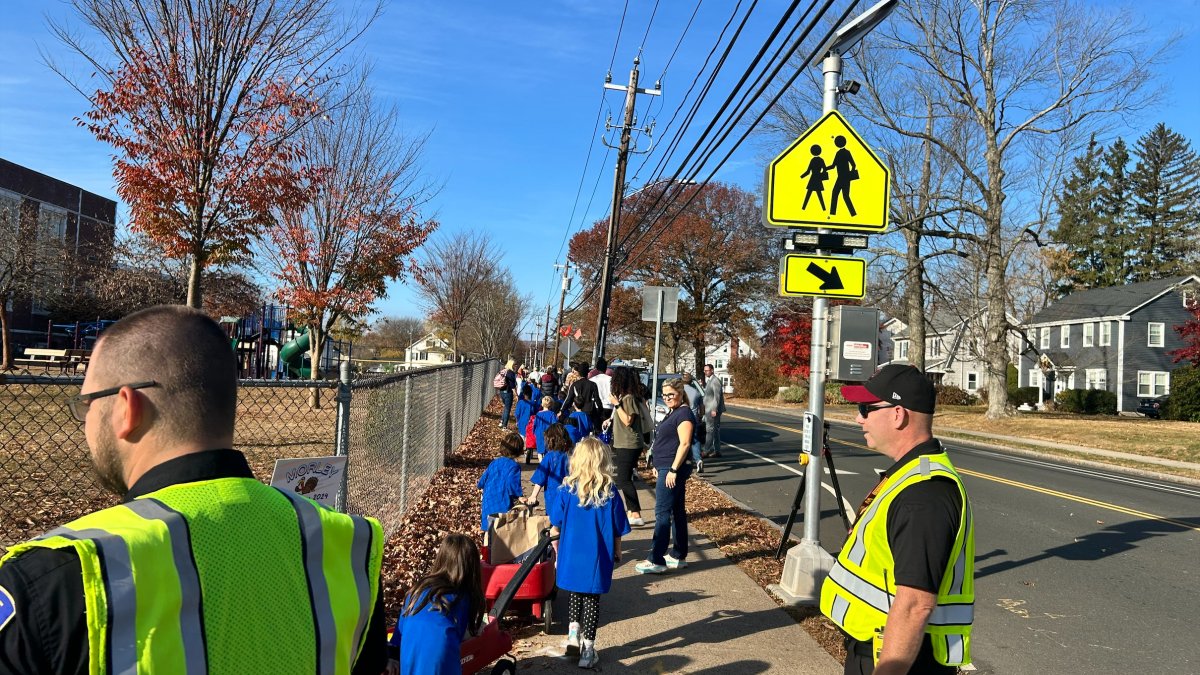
(808, 564)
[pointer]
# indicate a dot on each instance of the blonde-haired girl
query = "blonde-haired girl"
(589, 515)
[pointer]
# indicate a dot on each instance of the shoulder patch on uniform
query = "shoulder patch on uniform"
(7, 609)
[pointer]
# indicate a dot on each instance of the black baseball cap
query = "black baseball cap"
(898, 384)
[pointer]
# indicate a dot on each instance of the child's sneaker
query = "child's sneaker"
(647, 567)
(674, 563)
(572, 646)
(588, 658)
(637, 522)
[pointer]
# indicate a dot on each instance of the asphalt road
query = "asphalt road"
(1077, 570)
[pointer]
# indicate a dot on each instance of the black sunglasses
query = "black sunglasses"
(79, 403)
(864, 409)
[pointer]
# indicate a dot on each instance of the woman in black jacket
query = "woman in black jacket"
(584, 392)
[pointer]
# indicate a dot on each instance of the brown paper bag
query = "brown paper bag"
(514, 534)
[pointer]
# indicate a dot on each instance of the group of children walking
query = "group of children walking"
(575, 478)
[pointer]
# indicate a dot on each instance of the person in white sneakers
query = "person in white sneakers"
(671, 456)
(587, 513)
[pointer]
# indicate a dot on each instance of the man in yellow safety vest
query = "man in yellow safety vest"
(903, 586)
(201, 568)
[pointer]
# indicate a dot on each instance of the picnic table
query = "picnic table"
(65, 360)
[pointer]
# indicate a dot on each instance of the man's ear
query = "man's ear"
(129, 411)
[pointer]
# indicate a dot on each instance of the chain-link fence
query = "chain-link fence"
(401, 429)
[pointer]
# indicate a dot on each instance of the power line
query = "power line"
(616, 44)
(649, 23)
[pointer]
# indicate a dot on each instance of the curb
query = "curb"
(1072, 458)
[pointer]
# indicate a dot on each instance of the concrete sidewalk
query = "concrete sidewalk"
(708, 618)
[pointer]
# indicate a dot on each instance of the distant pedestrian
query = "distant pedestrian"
(696, 403)
(671, 456)
(714, 407)
(585, 392)
(550, 383)
(440, 610)
(505, 384)
(587, 513)
(603, 382)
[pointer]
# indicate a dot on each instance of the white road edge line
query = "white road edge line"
(827, 486)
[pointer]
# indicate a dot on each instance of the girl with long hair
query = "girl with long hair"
(588, 514)
(627, 440)
(439, 611)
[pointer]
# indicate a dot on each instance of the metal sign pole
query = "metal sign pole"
(658, 322)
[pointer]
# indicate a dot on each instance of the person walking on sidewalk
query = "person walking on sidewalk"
(589, 516)
(903, 586)
(714, 407)
(672, 462)
(505, 384)
(627, 438)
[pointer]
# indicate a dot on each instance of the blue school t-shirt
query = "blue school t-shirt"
(579, 426)
(429, 641)
(541, 423)
(587, 539)
(524, 411)
(551, 471)
(501, 482)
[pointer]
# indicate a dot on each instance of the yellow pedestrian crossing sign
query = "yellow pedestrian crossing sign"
(828, 178)
(822, 276)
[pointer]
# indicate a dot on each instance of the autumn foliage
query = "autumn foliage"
(1190, 334)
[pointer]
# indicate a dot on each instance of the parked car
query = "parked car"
(1152, 407)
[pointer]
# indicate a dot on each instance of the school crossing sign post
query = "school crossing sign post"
(828, 178)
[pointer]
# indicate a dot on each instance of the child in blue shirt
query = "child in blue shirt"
(579, 424)
(542, 422)
(553, 468)
(524, 413)
(588, 514)
(501, 480)
(438, 612)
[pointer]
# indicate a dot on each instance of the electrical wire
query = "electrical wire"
(649, 23)
(617, 43)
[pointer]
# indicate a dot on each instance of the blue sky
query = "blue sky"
(509, 92)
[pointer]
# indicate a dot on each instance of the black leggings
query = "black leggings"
(585, 609)
(626, 460)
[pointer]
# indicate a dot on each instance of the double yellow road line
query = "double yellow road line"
(1012, 483)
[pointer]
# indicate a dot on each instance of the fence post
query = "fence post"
(404, 444)
(342, 441)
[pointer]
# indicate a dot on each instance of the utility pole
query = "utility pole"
(562, 299)
(533, 350)
(614, 218)
(545, 339)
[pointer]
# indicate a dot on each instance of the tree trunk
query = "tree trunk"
(698, 345)
(195, 298)
(5, 338)
(315, 344)
(914, 299)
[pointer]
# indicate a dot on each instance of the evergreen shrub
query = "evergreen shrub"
(1184, 402)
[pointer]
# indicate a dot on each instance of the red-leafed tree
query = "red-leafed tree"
(334, 253)
(202, 100)
(789, 333)
(1190, 334)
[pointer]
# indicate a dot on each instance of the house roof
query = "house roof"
(1112, 301)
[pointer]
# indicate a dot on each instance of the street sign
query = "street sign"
(822, 277)
(827, 178)
(670, 309)
(569, 348)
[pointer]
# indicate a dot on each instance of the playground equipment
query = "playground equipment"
(269, 346)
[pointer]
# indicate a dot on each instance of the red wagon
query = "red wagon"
(532, 581)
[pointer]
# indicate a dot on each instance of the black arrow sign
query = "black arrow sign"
(830, 281)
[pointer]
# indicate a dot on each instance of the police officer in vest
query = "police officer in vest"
(903, 587)
(201, 568)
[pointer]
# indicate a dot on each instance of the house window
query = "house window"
(724, 380)
(972, 381)
(1089, 334)
(1153, 383)
(935, 347)
(1064, 339)
(1071, 381)
(1035, 377)
(719, 363)
(1097, 378)
(424, 356)
(902, 350)
(1105, 333)
(1045, 344)
(1154, 334)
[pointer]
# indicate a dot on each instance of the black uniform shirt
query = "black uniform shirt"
(922, 524)
(48, 634)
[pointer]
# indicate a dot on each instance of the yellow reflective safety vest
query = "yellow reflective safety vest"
(223, 576)
(858, 592)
